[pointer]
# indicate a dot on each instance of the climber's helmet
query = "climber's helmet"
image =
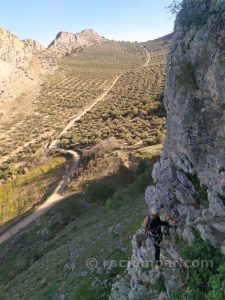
(154, 210)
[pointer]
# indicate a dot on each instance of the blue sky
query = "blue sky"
(131, 20)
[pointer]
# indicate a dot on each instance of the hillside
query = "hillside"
(105, 77)
(134, 105)
(22, 64)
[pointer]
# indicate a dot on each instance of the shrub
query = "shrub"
(142, 167)
(160, 284)
(109, 204)
(190, 12)
(201, 197)
(217, 285)
(99, 191)
(204, 277)
(125, 175)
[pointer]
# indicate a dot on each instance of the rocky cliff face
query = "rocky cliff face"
(190, 176)
(22, 63)
(66, 42)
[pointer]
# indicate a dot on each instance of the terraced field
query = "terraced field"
(81, 78)
(133, 109)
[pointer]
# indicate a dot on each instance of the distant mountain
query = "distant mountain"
(22, 63)
(66, 42)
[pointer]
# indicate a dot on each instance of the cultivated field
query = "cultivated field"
(19, 195)
(131, 112)
(81, 78)
(133, 109)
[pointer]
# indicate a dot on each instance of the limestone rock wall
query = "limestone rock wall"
(189, 179)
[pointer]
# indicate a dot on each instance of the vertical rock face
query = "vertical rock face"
(190, 176)
(66, 42)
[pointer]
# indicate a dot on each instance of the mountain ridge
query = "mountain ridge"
(66, 42)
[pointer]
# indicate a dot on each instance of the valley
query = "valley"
(112, 153)
(69, 99)
(92, 122)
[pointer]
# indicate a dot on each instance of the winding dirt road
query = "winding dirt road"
(57, 195)
(148, 57)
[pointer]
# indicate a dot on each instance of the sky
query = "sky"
(128, 20)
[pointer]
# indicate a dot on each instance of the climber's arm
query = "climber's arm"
(162, 223)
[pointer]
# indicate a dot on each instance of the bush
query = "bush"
(202, 278)
(160, 284)
(142, 167)
(140, 184)
(125, 175)
(109, 204)
(190, 12)
(217, 285)
(99, 192)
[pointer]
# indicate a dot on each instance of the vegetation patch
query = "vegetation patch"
(19, 195)
(206, 282)
(201, 197)
(186, 78)
(191, 12)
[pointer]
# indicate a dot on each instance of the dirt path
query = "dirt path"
(57, 195)
(148, 56)
(49, 203)
(80, 115)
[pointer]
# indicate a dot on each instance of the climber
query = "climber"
(152, 226)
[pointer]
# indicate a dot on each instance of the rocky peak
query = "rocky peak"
(66, 42)
(22, 63)
(33, 45)
(10, 45)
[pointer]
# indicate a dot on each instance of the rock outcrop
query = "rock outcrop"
(189, 179)
(66, 42)
(22, 64)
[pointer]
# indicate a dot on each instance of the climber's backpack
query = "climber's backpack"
(147, 224)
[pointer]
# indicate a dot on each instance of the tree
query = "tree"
(175, 7)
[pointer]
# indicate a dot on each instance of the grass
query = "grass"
(147, 152)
